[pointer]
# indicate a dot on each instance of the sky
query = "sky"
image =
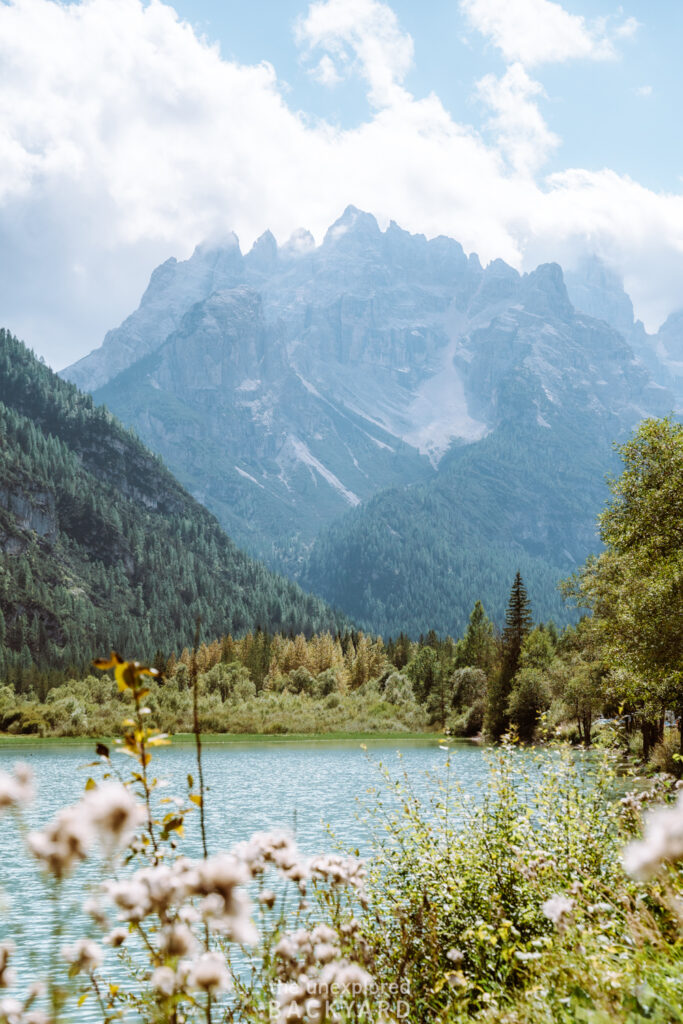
(530, 130)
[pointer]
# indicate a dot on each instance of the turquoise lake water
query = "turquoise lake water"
(300, 786)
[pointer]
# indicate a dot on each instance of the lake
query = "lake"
(252, 786)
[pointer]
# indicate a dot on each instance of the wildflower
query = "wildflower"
(94, 910)
(7, 976)
(524, 957)
(558, 909)
(210, 974)
(325, 951)
(114, 814)
(177, 940)
(276, 848)
(662, 842)
(455, 955)
(267, 898)
(353, 978)
(63, 842)
(226, 907)
(323, 933)
(84, 956)
(116, 937)
(338, 870)
(11, 1010)
(163, 980)
(16, 789)
(131, 897)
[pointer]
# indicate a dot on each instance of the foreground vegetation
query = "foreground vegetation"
(532, 900)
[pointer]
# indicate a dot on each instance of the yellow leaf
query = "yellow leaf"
(111, 662)
(161, 740)
(90, 784)
(196, 799)
(82, 998)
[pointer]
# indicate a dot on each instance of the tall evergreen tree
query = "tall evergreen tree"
(478, 646)
(518, 624)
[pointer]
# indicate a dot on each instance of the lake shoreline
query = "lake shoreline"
(231, 739)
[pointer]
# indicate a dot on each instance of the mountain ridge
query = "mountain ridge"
(299, 383)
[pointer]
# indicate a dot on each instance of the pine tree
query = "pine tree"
(518, 624)
(477, 648)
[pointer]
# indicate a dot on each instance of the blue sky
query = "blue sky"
(133, 130)
(620, 113)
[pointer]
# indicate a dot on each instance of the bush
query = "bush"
(468, 722)
(663, 757)
(517, 908)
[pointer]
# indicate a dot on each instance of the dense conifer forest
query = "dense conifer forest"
(100, 546)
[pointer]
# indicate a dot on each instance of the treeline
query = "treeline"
(100, 545)
(351, 681)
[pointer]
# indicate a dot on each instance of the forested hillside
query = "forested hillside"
(100, 545)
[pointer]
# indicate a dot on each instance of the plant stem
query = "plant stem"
(194, 675)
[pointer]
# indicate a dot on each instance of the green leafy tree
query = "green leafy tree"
(635, 587)
(529, 698)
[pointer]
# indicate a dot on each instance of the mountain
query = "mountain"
(555, 389)
(389, 421)
(100, 546)
(596, 289)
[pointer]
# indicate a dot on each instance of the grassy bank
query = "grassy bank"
(234, 739)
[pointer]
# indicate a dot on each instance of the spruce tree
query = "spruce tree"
(518, 623)
(477, 648)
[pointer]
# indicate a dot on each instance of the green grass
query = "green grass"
(231, 739)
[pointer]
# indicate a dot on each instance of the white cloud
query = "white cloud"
(536, 32)
(644, 91)
(361, 35)
(627, 29)
(125, 140)
(521, 132)
(325, 71)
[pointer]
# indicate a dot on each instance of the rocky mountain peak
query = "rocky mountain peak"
(353, 229)
(263, 254)
(544, 292)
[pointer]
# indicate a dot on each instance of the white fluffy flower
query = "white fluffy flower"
(209, 973)
(63, 842)
(11, 1010)
(558, 909)
(84, 955)
(116, 937)
(16, 789)
(7, 976)
(662, 842)
(114, 814)
(163, 981)
(177, 940)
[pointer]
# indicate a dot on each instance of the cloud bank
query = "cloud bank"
(126, 139)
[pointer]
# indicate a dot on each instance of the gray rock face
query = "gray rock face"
(597, 290)
(287, 386)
